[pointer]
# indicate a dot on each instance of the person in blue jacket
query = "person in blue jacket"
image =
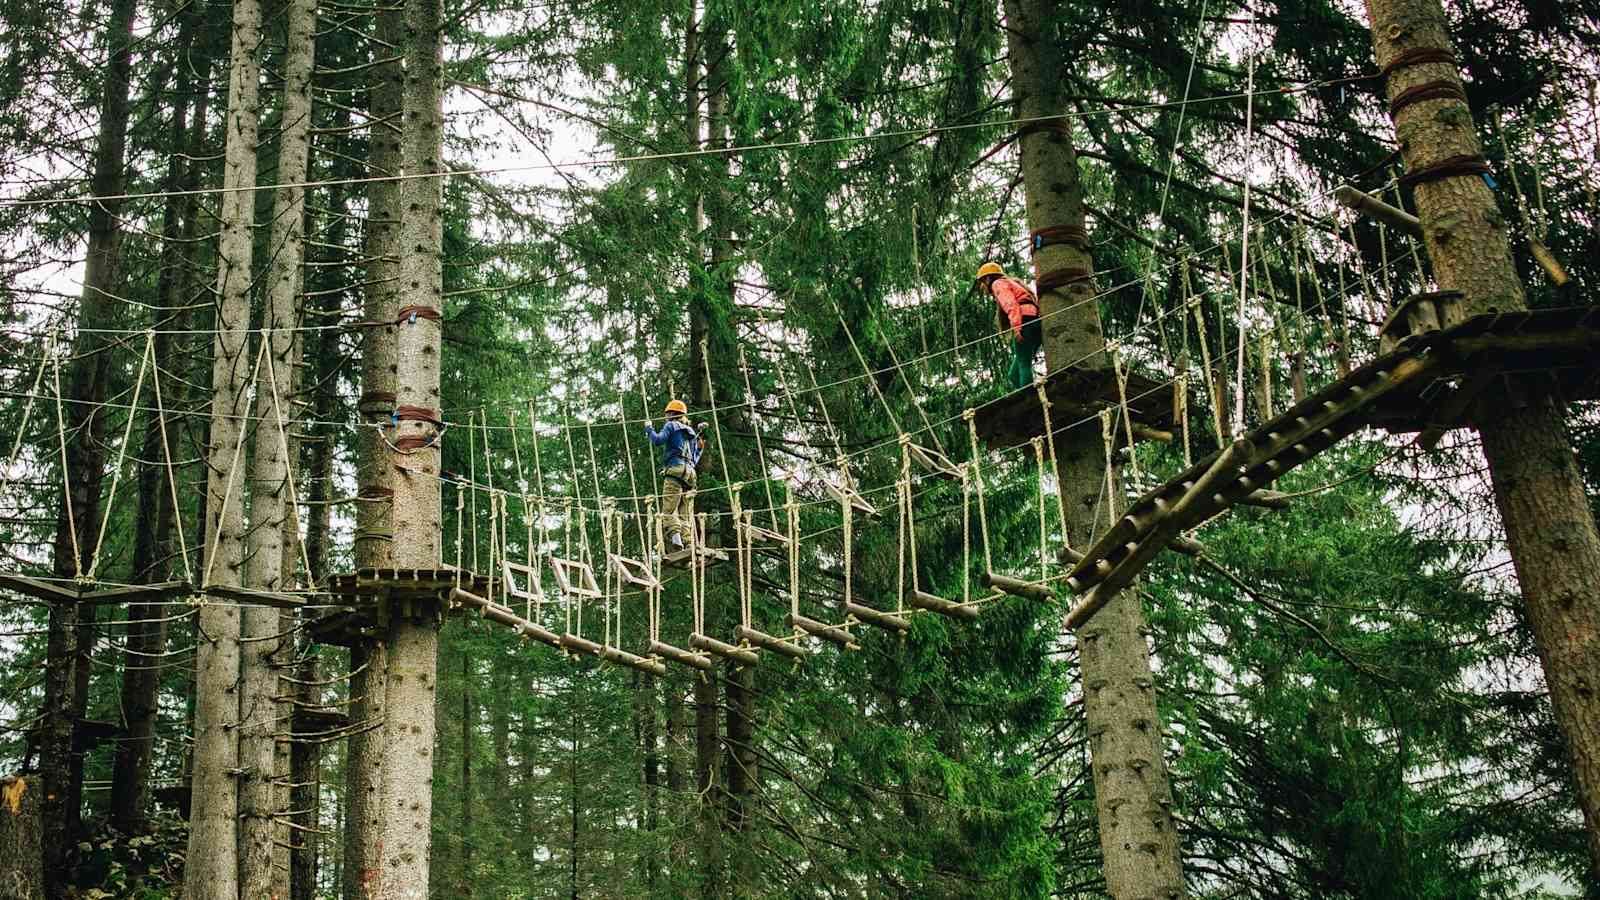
(680, 454)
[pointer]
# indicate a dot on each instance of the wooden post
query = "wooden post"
(1550, 528)
(1368, 205)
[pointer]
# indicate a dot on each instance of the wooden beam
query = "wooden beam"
(576, 644)
(822, 630)
(876, 617)
(768, 642)
(1225, 467)
(261, 598)
(634, 661)
(727, 651)
(681, 656)
(1016, 587)
(135, 593)
(36, 587)
(933, 603)
(1368, 205)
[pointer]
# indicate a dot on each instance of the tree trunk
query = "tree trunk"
(708, 784)
(374, 535)
(212, 861)
(154, 556)
(78, 518)
(1549, 525)
(413, 622)
(363, 800)
(306, 757)
(650, 752)
(21, 839)
(272, 502)
(1133, 795)
(468, 717)
(676, 745)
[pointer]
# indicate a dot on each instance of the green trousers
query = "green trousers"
(1023, 352)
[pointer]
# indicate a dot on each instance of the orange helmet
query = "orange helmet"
(987, 269)
(677, 407)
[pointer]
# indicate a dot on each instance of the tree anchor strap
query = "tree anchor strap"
(1417, 56)
(410, 314)
(1450, 167)
(1428, 90)
(1076, 235)
(1049, 281)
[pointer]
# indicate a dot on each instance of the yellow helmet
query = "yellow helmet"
(677, 407)
(987, 269)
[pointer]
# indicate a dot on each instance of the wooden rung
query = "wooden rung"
(755, 534)
(633, 571)
(1087, 607)
(1016, 587)
(931, 603)
(727, 651)
(1371, 206)
(634, 661)
(822, 630)
(768, 642)
(508, 572)
(576, 579)
(679, 655)
(581, 645)
(877, 617)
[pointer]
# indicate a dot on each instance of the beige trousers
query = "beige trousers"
(677, 503)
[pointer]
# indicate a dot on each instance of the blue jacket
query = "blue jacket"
(682, 444)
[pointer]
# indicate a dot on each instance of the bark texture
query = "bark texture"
(212, 863)
(374, 536)
(1133, 794)
(21, 839)
(1549, 525)
(272, 502)
(78, 518)
(413, 626)
(155, 551)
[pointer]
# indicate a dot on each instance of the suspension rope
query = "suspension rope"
(122, 456)
(977, 467)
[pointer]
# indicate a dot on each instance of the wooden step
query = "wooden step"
(1016, 587)
(877, 617)
(822, 630)
(727, 651)
(932, 603)
(767, 642)
(680, 656)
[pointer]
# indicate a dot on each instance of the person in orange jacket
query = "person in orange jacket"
(1019, 309)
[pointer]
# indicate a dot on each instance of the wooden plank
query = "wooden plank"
(932, 603)
(136, 593)
(727, 651)
(680, 656)
(260, 598)
(877, 618)
(768, 642)
(36, 587)
(1075, 392)
(822, 630)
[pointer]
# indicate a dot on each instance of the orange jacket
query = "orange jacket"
(1016, 301)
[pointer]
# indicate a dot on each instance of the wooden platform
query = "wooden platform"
(1515, 353)
(1428, 383)
(380, 582)
(1076, 393)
